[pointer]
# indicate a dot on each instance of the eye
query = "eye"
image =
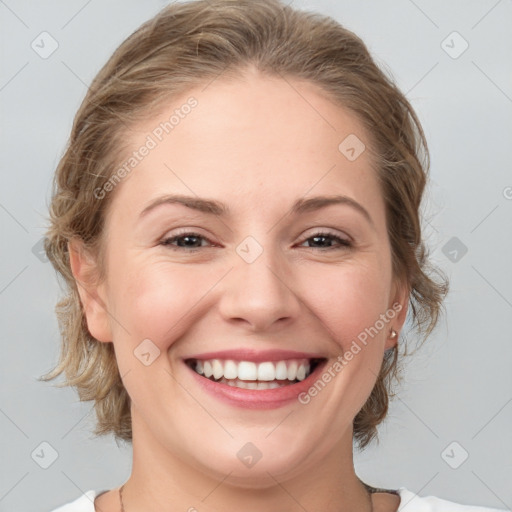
(322, 237)
(189, 241)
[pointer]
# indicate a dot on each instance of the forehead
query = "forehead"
(250, 142)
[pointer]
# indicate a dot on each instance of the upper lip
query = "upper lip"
(256, 356)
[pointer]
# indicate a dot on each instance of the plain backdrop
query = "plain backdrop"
(449, 431)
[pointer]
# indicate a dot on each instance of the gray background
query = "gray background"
(457, 389)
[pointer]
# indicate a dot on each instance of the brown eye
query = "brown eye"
(185, 241)
(326, 238)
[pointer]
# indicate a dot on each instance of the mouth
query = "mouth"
(252, 375)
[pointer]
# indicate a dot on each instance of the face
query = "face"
(263, 285)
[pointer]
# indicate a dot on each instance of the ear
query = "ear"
(92, 293)
(400, 304)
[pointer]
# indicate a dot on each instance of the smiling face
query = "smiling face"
(264, 274)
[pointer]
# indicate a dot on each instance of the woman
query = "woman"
(237, 220)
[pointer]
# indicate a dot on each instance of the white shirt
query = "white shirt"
(409, 502)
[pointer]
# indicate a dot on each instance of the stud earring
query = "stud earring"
(393, 334)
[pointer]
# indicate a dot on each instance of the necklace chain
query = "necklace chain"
(122, 504)
(121, 497)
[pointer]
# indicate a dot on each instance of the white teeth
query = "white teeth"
(251, 375)
(266, 371)
(281, 371)
(230, 370)
(208, 371)
(218, 371)
(235, 383)
(247, 370)
(292, 370)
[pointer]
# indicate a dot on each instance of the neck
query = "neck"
(163, 481)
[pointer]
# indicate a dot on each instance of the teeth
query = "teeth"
(208, 370)
(247, 371)
(230, 370)
(281, 371)
(251, 385)
(218, 371)
(292, 370)
(266, 371)
(250, 375)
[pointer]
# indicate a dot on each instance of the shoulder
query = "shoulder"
(411, 502)
(84, 503)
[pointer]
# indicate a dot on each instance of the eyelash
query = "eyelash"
(343, 243)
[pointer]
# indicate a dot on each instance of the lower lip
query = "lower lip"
(257, 398)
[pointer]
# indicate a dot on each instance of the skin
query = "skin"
(257, 144)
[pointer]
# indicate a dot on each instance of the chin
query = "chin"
(258, 468)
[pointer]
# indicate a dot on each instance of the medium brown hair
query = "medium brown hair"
(188, 44)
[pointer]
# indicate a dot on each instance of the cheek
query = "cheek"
(349, 300)
(157, 300)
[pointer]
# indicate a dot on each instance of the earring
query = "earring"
(393, 334)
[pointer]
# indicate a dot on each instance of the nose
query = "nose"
(260, 294)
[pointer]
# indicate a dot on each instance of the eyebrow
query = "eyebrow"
(219, 209)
